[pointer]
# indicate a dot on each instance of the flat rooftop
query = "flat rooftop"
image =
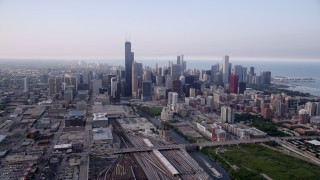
(109, 109)
(102, 134)
(62, 146)
(99, 116)
(256, 132)
(77, 113)
(314, 142)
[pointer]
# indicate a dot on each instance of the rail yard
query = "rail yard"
(155, 164)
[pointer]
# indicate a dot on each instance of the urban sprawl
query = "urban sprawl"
(79, 120)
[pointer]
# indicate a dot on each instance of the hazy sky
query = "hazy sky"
(205, 29)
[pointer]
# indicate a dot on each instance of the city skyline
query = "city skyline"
(207, 30)
(98, 90)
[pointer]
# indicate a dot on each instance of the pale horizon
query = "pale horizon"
(79, 29)
(165, 58)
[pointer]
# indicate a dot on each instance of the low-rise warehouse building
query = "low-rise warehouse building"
(100, 120)
(102, 135)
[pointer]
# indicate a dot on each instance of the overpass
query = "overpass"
(251, 141)
(223, 143)
(182, 146)
(204, 144)
(144, 149)
(294, 137)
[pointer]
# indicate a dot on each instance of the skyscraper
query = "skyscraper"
(244, 74)
(242, 87)
(147, 75)
(265, 77)
(251, 71)
(172, 99)
(129, 58)
(96, 84)
(113, 87)
(110, 76)
(137, 72)
(311, 108)
(176, 87)
(26, 84)
(214, 70)
(146, 90)
(234, 82)
(227, 114)
(169, 82)
(55, 85)
(238, 70)
(178, 60)
(51, 85)
(303, 116)
(225, 69)
(175, 71)
(183, 64)
(58, 84)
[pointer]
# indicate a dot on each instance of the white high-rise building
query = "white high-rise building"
(183, 80)
(225, 69)
(163, 70)
(26, 84)
(160, 91)
(311, 107)
(172, 99)
(227, 114)
(169, 82)
(192, 92)
(113, 87)
(175, 97)
(147, 75)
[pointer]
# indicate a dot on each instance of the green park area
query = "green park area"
(152, 111)
(259, 162)
(276, 89)
(265, 125)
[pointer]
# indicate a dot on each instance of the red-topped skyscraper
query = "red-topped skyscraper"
(234, 82)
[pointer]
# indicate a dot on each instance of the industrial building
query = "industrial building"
(100, 120)
(102, 135)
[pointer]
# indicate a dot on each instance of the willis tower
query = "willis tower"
(129, 58)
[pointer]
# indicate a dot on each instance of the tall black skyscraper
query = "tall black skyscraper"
(129, 58)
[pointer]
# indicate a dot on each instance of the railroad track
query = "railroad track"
(126, 166)
(134, 164)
